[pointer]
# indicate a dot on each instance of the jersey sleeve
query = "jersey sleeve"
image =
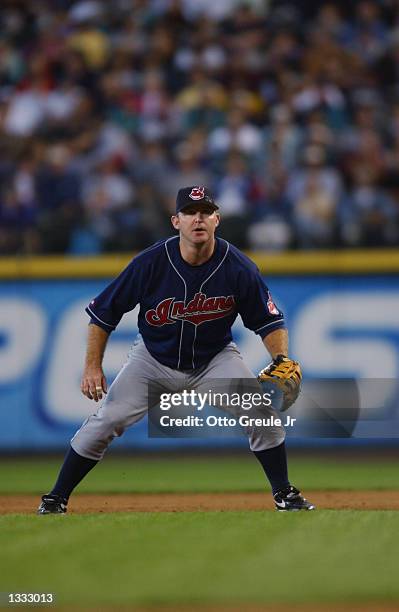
(255, 304)
(119, 297)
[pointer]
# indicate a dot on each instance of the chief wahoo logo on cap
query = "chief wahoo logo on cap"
(197, 193)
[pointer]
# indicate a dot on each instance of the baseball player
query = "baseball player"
(190, 288)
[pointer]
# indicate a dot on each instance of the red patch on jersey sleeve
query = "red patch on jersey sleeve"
(272, 308)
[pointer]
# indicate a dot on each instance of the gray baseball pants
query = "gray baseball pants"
(127, 398)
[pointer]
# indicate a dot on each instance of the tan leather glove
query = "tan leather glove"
(286, 374)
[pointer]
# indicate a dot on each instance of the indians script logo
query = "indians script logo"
(197, 193)
(197, 311)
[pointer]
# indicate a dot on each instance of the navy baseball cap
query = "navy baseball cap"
(187, 196)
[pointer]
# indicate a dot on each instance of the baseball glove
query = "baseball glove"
(286, 374)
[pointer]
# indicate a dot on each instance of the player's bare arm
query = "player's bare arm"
(94, 383)
(276, 343)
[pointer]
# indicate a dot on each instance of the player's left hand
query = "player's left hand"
(287, 375)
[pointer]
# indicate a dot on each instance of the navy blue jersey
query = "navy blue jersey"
(186, 312)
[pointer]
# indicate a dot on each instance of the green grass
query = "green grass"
(236, 473)
(184, 558)
(215, 557)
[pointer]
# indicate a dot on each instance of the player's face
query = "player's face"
(196, 224)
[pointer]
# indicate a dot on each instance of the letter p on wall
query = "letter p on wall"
(22, 335)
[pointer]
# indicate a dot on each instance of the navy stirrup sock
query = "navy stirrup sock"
(274, 463)
(74, 469)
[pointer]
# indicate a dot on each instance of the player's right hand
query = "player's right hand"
(94, 383)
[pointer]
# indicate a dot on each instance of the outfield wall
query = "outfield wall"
(342, 312)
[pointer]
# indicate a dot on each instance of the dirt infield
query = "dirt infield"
(192, 502)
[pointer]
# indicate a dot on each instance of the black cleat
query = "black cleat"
(291, 500)
(52, 504)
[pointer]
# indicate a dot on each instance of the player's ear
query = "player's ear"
(217, 219)
(175, 221)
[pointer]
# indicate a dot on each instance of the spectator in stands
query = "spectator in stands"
(233, 193)
(314, 192)
(58, 190)
(369, 216)
(238, 133)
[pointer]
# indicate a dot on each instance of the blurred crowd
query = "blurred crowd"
(288, 111)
